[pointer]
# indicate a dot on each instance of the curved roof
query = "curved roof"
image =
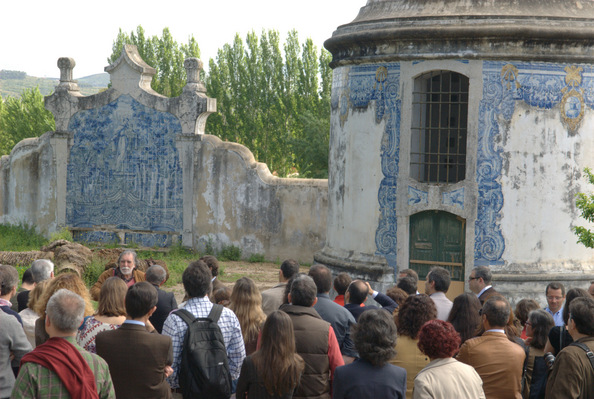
(539, 30)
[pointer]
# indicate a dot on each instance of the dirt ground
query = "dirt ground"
(265, 275)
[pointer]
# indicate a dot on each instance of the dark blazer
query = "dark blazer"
(384, 300)
(361, 380)
(23, 299)
(137, 361)
(165, 304)
(487, 294)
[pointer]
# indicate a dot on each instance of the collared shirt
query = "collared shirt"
(176, 328)
(139, 323)
(36, 381)
(483, 290)
(4, 302)
(557, 316)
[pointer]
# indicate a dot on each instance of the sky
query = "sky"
(35, 33)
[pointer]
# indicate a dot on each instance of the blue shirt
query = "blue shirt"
(557, 316)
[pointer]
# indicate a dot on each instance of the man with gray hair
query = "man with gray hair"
(9, 279)
(315, 340)
(156, 275)
(41, 270)
(60, 367)
(126, 269)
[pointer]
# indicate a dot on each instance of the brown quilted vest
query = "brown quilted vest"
(311, 339)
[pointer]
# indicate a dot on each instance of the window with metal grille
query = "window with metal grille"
(439, 124)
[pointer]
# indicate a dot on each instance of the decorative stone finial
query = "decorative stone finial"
(66, 66)
(193, 68)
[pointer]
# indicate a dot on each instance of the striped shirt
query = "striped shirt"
(176, 328)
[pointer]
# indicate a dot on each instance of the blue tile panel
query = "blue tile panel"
(454, 198)
(566, 89)
(381, 83)
(124, 170)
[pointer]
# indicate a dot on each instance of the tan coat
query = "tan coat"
(410, 358)
(498, 361)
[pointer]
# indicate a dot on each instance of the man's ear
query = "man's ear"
(289, 298)
(150, 312)
(315, 301)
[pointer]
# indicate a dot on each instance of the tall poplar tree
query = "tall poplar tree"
(278, 105)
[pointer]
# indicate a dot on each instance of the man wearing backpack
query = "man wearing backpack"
(573, 371)
(197, 283)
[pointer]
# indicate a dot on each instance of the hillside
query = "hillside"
(12, 83)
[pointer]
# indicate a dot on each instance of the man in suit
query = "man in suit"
(138, 361)
(436, 286)
(339, 318)
(357, 293)
(479, 282)
(497, 360)
(273, 297)
(157, 276)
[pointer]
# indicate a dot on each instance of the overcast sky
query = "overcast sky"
(35, 33)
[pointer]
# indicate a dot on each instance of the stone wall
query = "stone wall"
(128, 165)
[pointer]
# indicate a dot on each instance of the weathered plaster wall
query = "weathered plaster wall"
(237, 201)
(27, 193)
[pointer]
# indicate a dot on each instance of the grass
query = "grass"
(23, 237)
(20, 237)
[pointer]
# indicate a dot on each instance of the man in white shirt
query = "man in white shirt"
(437, 284)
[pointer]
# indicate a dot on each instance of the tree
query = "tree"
(272, 104)
(162, 53)
(23, 117)
(585, 203)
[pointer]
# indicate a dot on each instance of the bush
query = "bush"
(230, 252)
(63, 234)
(256, 258)
(93, 271)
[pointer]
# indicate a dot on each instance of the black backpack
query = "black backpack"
(204, 370)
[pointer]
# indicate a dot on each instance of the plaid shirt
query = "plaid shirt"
(176, 328)
(36, 381)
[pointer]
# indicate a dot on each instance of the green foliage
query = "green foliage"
(162, 53)
(93, 271)
(23, 117)
(276, 105)
(256, 258)
(63, 234)
(230, 252)
(20, 237)
(585, 203)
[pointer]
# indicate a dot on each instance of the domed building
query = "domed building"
(459, 134)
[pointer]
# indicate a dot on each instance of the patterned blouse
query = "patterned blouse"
(86, 334)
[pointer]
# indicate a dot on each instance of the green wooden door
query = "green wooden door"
(437, 239)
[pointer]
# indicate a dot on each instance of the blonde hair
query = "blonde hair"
(36, 294)
(246, 302)
(69, 281)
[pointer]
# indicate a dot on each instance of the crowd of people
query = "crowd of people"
(295, 340)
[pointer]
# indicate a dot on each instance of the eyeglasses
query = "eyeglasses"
(554, 298)
(528, 323)
(473, 278)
